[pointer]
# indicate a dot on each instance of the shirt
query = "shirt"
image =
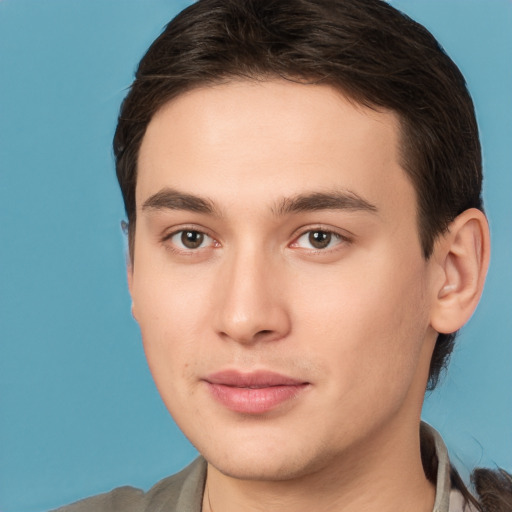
(183, 492)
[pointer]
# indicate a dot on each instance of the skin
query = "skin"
(355, 320)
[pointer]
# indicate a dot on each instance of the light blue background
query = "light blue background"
(79, 413)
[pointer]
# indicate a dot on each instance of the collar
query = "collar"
(191, 495)
(443, 481)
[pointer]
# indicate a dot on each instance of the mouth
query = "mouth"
(254, 392)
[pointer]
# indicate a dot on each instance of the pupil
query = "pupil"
(319, 239)
(192, 239)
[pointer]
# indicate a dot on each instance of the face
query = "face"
(278, 279)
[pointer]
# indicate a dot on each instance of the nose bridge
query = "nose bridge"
(251, 306)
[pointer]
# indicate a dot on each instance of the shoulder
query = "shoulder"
(182, 491)
(122, 498)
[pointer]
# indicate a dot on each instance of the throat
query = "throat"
(335, 492)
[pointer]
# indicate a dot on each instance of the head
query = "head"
(381, 67)
(375, 55)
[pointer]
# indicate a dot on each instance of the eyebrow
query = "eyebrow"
(337, 200)
(170, 199)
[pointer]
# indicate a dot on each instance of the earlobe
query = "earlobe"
(463, 255)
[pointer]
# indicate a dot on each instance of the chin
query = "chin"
(260, 468)
(265, 458)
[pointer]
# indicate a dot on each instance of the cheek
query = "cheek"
(171, 315)
(368, 325)
(173, 341)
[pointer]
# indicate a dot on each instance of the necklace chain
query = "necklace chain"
(208, 498)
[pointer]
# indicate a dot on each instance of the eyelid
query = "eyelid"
(342, 235)
(169, 231)
(175, 230)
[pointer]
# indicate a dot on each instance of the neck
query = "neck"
(385, 476)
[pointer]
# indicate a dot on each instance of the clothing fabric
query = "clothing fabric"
(183, 492)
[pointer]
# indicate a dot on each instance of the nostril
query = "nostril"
(268, 335)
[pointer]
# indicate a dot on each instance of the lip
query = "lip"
(254, 392)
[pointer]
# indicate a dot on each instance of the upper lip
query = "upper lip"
(255, 379)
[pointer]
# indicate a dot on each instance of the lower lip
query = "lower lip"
(254, 400)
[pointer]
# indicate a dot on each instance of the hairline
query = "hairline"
(357, 102)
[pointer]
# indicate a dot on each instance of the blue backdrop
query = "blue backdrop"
(79, 413)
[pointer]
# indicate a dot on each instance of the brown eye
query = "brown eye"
(319, 239)
(192, 239)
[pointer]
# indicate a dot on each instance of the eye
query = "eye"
(318, 239)
(190, 239)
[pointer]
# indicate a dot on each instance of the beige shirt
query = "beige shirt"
(183, 492)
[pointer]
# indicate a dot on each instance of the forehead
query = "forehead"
(271, 137)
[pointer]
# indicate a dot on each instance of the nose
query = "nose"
(252, 306)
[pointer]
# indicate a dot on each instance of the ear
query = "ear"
(462, 255)
(129, 278)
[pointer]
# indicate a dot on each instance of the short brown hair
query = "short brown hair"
(374, 54)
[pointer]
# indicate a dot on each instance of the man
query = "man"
(302, 181)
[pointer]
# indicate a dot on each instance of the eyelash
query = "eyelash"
(340, 239)
(167, 241)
